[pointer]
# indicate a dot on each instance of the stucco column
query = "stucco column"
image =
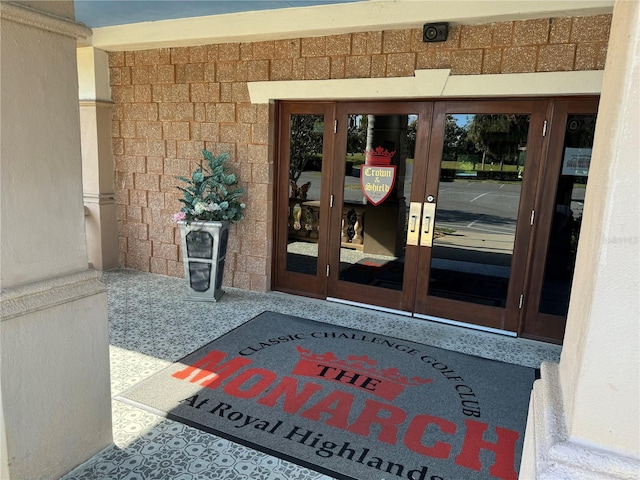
(97, 158)
(55, 408)
(584, 419)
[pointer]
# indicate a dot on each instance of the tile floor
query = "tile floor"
(151, 325)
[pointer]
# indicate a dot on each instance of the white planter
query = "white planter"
(204, 248)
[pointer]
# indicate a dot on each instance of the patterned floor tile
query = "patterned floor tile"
(151, 325)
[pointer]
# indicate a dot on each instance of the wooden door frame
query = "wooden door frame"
(283, 279)
(499, 318)
(536, 325)
(358, 293)
(542, 162)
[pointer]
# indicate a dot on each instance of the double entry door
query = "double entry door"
(426, 208)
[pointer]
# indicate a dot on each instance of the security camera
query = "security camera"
(435, 32)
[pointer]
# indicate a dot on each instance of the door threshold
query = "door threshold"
(466, 325)
(420, 316)
(369, 306)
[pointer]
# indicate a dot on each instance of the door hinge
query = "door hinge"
(335, 126)
(331, 201)
(544, 129)
(533, 216)
(521, 301)
(327, 270)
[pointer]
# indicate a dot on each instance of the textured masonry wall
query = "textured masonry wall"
(170, 103)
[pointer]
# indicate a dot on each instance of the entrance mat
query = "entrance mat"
(376, 272)
(349, 403)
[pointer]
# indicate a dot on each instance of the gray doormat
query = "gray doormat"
(348, 403)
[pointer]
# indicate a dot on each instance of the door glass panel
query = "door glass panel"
(305, 174)
(377, 185)
(481, 176)
(567, 216)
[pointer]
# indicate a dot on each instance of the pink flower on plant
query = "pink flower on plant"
(179, 216)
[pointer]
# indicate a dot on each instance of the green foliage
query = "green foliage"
(464, 166)
(211, 193)
(306, 143)
(456, 140)
(357, 134)
(500, 137)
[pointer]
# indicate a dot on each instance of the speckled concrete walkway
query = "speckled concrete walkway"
(151, 325)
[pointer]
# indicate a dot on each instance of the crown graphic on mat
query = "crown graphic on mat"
(379, 156)
(357, 371)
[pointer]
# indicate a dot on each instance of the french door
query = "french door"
(302, 235)
(426, 208)
(560, 203)
(476, 211)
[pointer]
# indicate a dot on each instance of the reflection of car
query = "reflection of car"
(447, 174)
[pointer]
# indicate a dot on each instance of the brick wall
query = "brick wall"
(170, 103)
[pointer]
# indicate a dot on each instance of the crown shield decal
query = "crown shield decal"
(357, 371)
(377, 175)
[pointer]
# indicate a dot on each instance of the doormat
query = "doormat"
(348, 403)
(375, 272)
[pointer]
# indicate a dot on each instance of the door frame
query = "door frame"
(496, 318)
(283, 279)
(530, 244)
(402, 300)
(534, 324)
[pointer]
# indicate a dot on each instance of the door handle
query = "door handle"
(428, 216)
(427, 223)
(413, 233)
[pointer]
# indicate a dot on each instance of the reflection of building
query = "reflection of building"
(167, 105)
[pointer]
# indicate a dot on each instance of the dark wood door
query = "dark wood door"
(559, 205)
(483, 166)
(302, 201)
(444, 210)
(381, 155)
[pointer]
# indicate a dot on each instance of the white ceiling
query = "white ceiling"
(104, 13)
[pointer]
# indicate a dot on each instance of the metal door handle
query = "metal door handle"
(413, 235)
(429, 213)
(426, 223)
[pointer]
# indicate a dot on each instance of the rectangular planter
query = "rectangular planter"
(204, 249)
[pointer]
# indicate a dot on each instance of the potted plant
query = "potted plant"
(210, 204)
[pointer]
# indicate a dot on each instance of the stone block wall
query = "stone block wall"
(170, 103)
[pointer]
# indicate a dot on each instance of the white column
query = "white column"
(55, 408)
(584, 419)
(97, 158)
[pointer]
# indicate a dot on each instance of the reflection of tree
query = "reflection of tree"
(306, 143)
(499, 137)
(356, 134)
(412, 134)
(456, 141)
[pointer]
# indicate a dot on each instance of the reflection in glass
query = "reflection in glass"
(199, 244)
(567, 217)
(377, 183)
(305, 169)
(477, 207)
(199, 275)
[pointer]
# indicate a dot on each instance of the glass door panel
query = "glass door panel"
(305, 182)
(305, 143)
(379, 150)
(481, 174)
(559, 206)
(567, 215)
(483, 164)
(377, 184)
